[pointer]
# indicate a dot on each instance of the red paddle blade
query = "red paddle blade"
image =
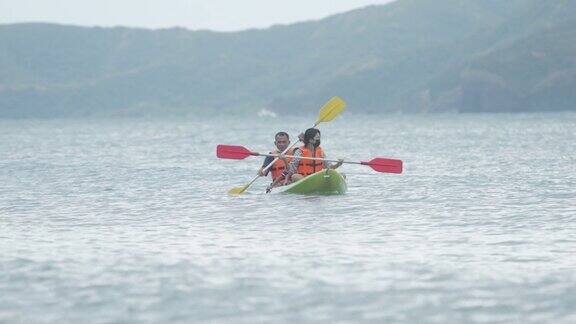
(233, 152)
(385, 165)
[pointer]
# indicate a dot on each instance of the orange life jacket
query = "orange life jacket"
(308, 167)
(278, 167)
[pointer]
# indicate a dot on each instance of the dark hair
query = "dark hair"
(309, 134)
(281, 134)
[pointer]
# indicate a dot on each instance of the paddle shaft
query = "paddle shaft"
(236, 152)
(377, 164)
(305, 158)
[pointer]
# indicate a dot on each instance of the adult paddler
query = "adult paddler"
(300, 168)
(279, 169)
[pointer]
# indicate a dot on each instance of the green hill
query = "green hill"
(407, 56)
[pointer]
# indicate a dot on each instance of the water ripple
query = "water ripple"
(114, 221)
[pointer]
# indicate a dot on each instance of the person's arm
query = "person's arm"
(267, 161)
(285, 178)
(293, 166)
(327, 164)
(337, 165)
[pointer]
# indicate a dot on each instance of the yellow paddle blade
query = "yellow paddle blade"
(240, 190)
(331, 110)
(237, 190)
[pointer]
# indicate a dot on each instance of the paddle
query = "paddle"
(328, 112)
(236, 152)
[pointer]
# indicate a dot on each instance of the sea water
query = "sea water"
(128, 220)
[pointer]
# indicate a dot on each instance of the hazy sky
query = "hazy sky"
(224, 15)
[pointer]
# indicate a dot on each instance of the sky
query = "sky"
(220, 15)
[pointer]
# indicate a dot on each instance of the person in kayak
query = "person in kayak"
(278, 169)
(300, 168)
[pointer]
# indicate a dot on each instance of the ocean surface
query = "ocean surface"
(129, 221)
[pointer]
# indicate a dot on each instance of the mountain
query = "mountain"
(406, 56)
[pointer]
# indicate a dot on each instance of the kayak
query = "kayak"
(325, 182)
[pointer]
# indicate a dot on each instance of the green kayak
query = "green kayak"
(325, 182)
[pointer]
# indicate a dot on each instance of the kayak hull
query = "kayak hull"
(325, 182)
